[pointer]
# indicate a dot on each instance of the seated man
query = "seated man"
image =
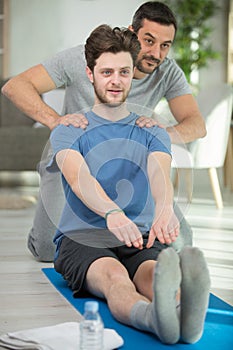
(118, 220)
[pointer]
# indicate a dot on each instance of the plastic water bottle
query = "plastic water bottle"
(91, 328)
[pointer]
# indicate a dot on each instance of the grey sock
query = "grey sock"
(160, 317)
(195, 288)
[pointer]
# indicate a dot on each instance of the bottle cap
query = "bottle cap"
(92, 306)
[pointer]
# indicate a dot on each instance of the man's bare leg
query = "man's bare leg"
(107, 278)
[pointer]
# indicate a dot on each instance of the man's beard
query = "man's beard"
(110, 103)
(148, 70)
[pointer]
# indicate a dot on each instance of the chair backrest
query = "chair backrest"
(216, 106)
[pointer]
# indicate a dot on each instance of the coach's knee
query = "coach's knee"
(42, 250)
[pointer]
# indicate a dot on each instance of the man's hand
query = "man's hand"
(125, 230)
(166, 228)
(77, 120)
(147, 122)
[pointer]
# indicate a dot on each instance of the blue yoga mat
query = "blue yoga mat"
(218, 331)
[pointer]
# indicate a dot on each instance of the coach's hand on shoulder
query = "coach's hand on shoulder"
(77, 120)
(146, 122)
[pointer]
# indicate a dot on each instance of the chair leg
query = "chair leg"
(228, 165)
(215, 187)
(183, 182)
(189, 183)
(176, 179)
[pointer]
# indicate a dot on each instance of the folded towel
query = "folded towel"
(64, 336)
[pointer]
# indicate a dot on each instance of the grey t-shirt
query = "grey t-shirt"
(67, 68)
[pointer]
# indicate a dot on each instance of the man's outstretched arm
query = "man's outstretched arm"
(89, 191)
(165, 225)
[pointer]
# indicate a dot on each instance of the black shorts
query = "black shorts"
(74, 259)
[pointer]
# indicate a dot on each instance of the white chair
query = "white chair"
(209, 152)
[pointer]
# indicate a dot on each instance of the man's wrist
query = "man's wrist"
(113, 211)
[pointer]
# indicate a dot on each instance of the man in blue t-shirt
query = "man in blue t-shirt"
(118, 220)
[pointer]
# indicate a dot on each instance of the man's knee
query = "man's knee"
(107, 270)
(41, 250)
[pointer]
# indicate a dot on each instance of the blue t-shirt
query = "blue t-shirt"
(116, 154)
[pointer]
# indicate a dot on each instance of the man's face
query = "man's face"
(112, 77)
(155, 40)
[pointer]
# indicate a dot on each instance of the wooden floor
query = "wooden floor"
(28, 300)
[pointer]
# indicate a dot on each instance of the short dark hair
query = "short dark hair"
(154, 11)
(105, 39)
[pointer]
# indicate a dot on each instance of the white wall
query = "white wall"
(40, 28)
